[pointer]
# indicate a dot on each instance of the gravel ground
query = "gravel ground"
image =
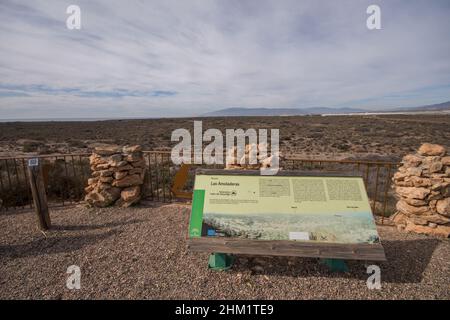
(140, 253)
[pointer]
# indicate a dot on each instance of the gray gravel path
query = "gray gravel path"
(140, 253)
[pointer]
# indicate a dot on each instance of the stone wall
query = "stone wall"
(422, 186)
(264, 159)
(117, 176)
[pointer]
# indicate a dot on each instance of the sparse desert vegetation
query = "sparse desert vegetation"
(376, 137)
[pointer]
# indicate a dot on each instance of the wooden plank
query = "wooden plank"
(311, 249)
(36, 180)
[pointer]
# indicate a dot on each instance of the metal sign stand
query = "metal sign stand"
(220, 261)
(335, 265)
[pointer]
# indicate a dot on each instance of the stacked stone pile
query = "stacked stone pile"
(422, 185)
(117, 176)
(260, 153)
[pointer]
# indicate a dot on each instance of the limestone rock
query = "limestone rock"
(132, 149)
(103, 185)
(435, 218)
(412, 192)
(254, 157)
(105, 173)
(404, 183)
(117, 174)
(133, 157)
(107, 150)
(128, 181)
(416, 181)
(103, 198)
(115, 160)
(92, 181)
(446, 191)
(419, 221)
(120, 174)
(399, 176)
(432, 205)
(95, 174)
(428, 149)
(412, 160)
(443, 207)
(130, 193)
(435, 166)
(122, 164)
(438, 176)
(89, 188)
(136, 171)
(399, 218)
(123, 168)
(129, 196)
(100, 167)
(414, 171)
(106, 179)
(446, 161)
(443, 231)
(435, 195)
(402, 206)
(422, 185)
(93, 158)
(139, 164)
(415, 202)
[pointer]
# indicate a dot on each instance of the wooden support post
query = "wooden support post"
(37, 186)
(335, 265)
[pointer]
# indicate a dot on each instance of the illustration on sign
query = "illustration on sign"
(323, 209)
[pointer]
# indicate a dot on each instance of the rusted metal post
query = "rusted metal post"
(37, 186)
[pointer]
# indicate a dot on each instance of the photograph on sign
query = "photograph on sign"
(299, 208)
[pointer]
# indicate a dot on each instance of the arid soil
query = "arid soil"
(377, 137)
(140, 252)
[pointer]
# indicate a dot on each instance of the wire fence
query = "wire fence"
(377, 178)
(66, 175)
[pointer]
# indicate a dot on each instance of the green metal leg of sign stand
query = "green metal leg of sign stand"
(220, 261)
(335, 265)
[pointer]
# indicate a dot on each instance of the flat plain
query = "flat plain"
(375, 137)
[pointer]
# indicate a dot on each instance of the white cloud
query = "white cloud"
(216, 54)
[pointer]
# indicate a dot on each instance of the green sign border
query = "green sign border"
(195, 225)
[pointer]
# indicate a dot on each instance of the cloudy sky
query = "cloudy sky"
(186, 57)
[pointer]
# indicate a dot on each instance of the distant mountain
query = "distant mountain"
(248, 112)
(243, 112)
(431, 107)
